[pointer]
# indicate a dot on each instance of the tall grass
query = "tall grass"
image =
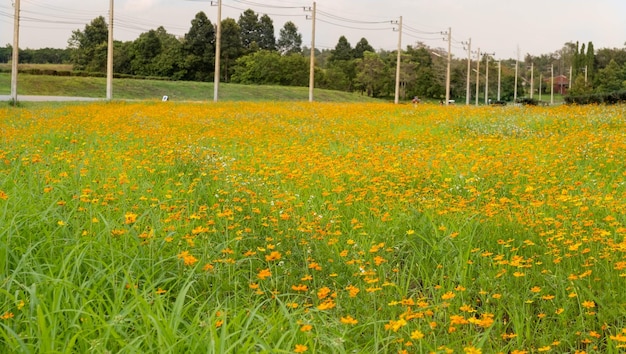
(326, 228)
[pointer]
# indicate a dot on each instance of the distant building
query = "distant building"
(561, 84)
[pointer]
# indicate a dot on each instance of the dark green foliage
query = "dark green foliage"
(598, 98)
(270, 68)
(232, 47)
(89, 47)
(289, 41)
(198, 49)
(526, 101)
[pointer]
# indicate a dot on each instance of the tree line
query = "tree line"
(251, 54)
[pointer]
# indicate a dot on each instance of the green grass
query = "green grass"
(176, 90)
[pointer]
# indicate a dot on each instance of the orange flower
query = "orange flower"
(349, 320)
(188, 259)
(588, 304)
(264, 273)
(417, 334)
(274, 256)
(300, 348)
(323, 292)
(447, 296)
(300, 287)
(130, 218)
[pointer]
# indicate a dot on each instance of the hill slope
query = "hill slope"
(176, 90)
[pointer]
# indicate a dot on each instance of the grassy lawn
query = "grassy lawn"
(176, 90)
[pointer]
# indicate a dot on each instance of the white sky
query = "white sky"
(501, 26)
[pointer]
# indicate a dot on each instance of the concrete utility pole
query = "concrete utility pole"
(499, 77)
(469, 71)
(16, 51)
(515, 87)
(569, 86)
(397, 96)
(312, 64)
(110, 54)
(552, 84)
(532, 79)
(218, 52)
(487, 77)
(449, 62)
(477, 73)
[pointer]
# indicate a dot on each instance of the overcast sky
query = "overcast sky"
(499, 26)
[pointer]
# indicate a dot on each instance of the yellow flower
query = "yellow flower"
(349, 320)
(300, 348)
(447, 296)
(588, 304)
(306, 328)
(130, 218)
(472, 350)
(323, 292)
(188, 259)
(264, 274)
(417, 334)
(274, 256)
(7, 315)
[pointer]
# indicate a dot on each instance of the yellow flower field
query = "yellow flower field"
(316, 228)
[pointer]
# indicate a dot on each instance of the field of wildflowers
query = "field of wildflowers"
(316, 228)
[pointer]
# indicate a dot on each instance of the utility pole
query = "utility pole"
(449, 62)
(397, 96)
(499, 77)
(16, 51)
(218, 51)
(477, 73)
(469, 71)
(532, 77)
(552, 84)
(569, 87)
(516, 69)
(312, 64)
(540, 81)
(110, 54)
(487, 76)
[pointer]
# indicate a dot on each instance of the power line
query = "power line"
(356, 28)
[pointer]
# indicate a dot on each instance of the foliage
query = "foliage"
(290, 40)
(89, 46)
(199, 49)
(316, 228)
(371, 74)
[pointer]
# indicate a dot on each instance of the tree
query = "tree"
(89, 47)
(156, 53)
(267, 40)
(361, 47)
(256, 34)
(289, 40)
(590, 61)
(611, 78)
(343, 50)
(270, 68)
(199, 49)
(371, 73)
(231, 47)
(425, 83)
